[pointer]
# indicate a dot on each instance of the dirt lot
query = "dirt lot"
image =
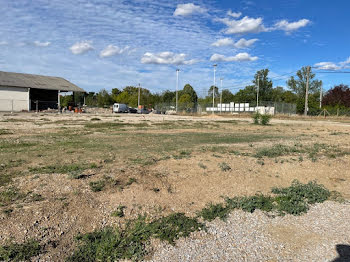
(151, 164)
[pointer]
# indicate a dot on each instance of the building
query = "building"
(25, 92)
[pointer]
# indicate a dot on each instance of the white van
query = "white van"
(120, 108)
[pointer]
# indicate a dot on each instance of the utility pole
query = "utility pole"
(321, 96)
(138, 98)
(257, 92)
(177, 87)
(221, 95)
(307, 90)
(214, 87)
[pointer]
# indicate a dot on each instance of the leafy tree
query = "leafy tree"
(216, 91)
(289, 97)
(188, 89)
(115, 93)
(168, 96)
(185, 102)
(298, 84)
(265, 85)
(337, 96)
(91, 99)
(227, 96)
(104, 98)
(248, 95)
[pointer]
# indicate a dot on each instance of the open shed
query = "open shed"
(25, 92)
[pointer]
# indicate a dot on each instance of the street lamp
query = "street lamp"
(257, 93)
(177, 86)
(214, 87)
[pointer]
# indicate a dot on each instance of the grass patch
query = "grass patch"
(131, 181)
(295, 200)
(119, 212)
(10, 195)
(182, 154)
(20, 252)
(97, 186)
(110, 244)
(62, 169)
(5, 132)
(224, 167)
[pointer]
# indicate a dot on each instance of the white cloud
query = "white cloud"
(332, 65)
(244, 25)
(3, 43)
(223, 42)
(166, 58)
(327, 66)
(234, 14)
(289, 27)
(241, 57)
(81, 47)
(241, 43)
(42, 44)
(187, 9)
(112, 50)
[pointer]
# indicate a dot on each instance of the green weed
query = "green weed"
(20, 252)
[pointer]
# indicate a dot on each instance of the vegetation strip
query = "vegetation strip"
(130, 242)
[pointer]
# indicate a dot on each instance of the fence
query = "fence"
(228, 108)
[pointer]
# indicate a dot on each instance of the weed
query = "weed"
(10, 195)
(20, 252)
(155, 189)
(256, 118)
(130, 243)
(260, 162)
(59, 169)
(201, 165)
(131, 181)
(224, 166)
(251, 203)
(5, 132)
(95, 119)
(182, 154)
(97, 186)
(265, 119)
(212, 211)
(119, 212)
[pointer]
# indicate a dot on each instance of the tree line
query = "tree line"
(337, 97)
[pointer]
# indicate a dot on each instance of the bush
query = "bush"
(256, 117)
(97, 186)
(265, 119)
(261, 119)
(111, 244)
(20, 252)
(212, 211)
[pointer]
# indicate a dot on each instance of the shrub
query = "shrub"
(213, 211)
(265, 119)
(224, 166)
(119, 212)
(20, 252)
(97, 186)
(111, 244)
(256, 118)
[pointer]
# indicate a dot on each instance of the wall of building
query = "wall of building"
(14, 99)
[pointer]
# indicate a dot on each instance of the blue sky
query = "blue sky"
(109, 43)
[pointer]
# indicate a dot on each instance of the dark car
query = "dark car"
(132, 110)
(142, 111)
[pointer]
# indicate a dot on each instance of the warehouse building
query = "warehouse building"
(25, 92)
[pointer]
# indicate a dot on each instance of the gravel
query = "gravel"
(260, 237)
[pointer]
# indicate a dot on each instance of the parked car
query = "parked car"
(142, 111)
(132, 110)
(120, 108)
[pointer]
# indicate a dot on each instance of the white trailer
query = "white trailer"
(120, 108)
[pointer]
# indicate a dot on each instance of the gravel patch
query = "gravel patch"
(260, 237)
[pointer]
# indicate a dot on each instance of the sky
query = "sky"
(105, 44)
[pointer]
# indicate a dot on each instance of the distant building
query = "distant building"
(25, 92)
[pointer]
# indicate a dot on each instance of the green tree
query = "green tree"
(188, 89)
(185, 102)
(115, 93)
(103, 98)
(91, 99)
(247, 95)
(265, 85)
(227, 96)
(216, 91)
(298, 84)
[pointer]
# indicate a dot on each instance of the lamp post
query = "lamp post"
(177, 87)
(257, 93)
(214, 87)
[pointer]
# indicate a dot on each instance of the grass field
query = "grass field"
(62, 175)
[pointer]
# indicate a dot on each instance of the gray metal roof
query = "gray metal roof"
(37, 81)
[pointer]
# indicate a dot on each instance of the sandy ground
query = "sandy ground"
(167, 185)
